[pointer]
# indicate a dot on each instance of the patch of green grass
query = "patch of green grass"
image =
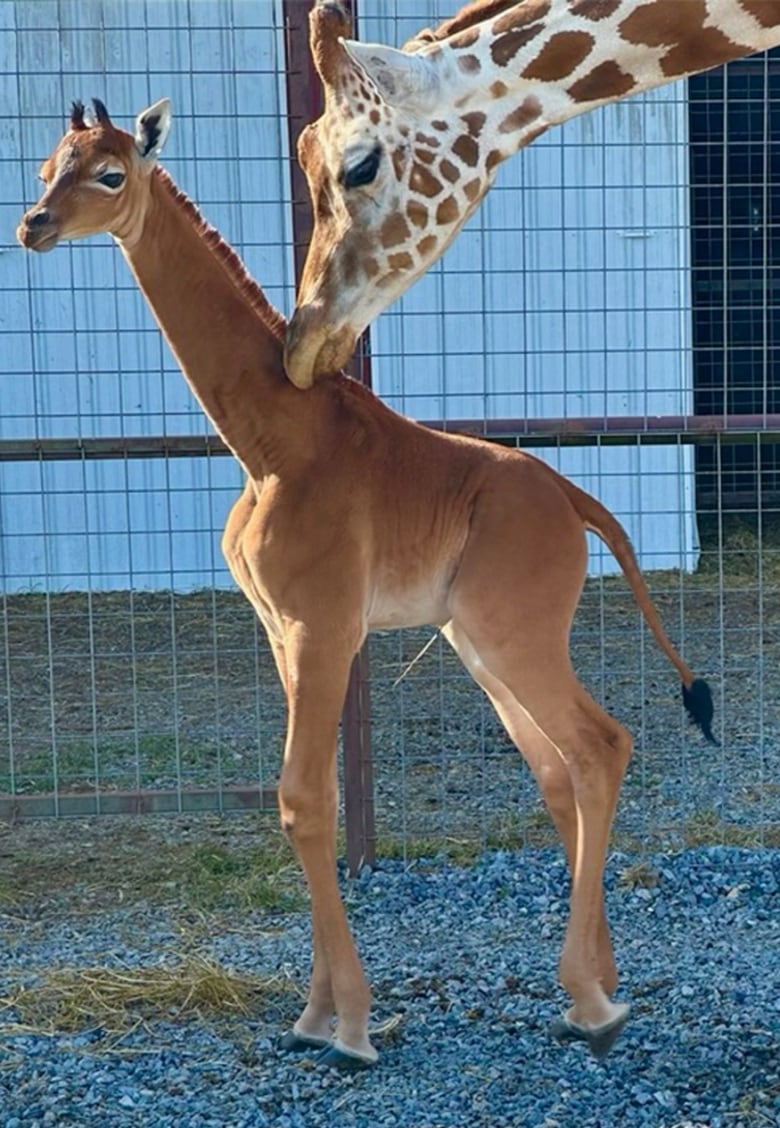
(210, 876)
(706, 828)
(208, 864)
(639, 875)
(123, 762)
(508, 833)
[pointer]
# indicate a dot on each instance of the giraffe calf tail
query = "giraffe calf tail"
(696, 693)
(697, 699)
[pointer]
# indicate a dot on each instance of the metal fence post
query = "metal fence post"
(304, 103)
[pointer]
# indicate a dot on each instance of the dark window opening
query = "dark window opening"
(734, 117)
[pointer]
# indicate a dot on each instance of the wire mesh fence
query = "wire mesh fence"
(613, 306)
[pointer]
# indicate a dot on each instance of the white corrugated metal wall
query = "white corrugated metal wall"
(567, 294)
(80, 355)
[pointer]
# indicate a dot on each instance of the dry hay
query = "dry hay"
(117, 1000)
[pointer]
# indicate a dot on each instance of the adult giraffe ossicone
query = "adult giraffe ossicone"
(409, 141)
(354, 518)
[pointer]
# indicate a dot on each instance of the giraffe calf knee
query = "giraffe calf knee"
(305, 812)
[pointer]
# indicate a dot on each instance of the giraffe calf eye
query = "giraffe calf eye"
(364, 172)
(111, 179)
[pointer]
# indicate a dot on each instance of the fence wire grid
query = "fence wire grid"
(612, 305)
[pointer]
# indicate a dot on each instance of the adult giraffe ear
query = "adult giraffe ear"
(399, 77)
(151, 129)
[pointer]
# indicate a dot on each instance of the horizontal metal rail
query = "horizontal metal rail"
(618, 430)
(82, 804)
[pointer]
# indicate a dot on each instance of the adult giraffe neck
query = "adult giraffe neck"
(225, 335)
(539, 63)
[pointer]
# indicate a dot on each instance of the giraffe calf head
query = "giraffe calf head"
(93, 180)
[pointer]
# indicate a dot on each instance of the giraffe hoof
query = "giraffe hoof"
(599, 1039)
(292, 1043)
(337, 1056)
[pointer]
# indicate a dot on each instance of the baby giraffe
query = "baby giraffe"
(353, 519)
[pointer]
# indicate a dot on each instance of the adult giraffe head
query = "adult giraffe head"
(93, 180)
(410, 140)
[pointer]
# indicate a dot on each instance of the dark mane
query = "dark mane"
(273, 319)
(470, 14)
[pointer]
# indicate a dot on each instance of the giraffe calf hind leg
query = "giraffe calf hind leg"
(599, 1040)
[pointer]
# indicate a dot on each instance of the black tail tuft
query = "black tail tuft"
(698, 702)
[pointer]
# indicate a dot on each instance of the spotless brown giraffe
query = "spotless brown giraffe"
(354, 518)
(409, 141)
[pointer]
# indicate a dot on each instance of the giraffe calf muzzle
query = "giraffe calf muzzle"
(38, 231)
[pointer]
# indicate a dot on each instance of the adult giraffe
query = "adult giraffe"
(409, 141)
(355, 518)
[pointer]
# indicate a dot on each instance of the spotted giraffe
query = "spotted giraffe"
(410, 140)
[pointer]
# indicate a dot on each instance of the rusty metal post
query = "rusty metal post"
(304, 103)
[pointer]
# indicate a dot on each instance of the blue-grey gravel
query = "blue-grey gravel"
(464, 961)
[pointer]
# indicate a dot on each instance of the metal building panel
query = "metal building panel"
(80, 354)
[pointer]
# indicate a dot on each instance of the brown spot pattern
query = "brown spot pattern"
(447, 211)
(467, 149)
(474, 122)
(607, 80)
(424, 155)
(449, 171)
(417, 212)
(402, 260)
(561, 55)
(394, 230)
(371, 267)
(398, 162)
(528, 110)
(498, 89)
(469, 64)
(595, 9)
(374, 117)
(513, 18)
(494, 157)
(504, 49)
(766, 15)
(664, 22)
(472, 190)
(424, 139)
(427, 244)
(693, 47)
(422, 181)
(442, 126)
(707, 49)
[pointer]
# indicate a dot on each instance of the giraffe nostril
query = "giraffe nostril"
(39, 218)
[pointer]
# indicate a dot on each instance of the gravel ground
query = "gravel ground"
(463, 958)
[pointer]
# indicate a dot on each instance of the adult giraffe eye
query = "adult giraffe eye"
(111, 179)
(364, 172)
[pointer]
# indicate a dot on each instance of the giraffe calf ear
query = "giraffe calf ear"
(151, 129)
(399, 77)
